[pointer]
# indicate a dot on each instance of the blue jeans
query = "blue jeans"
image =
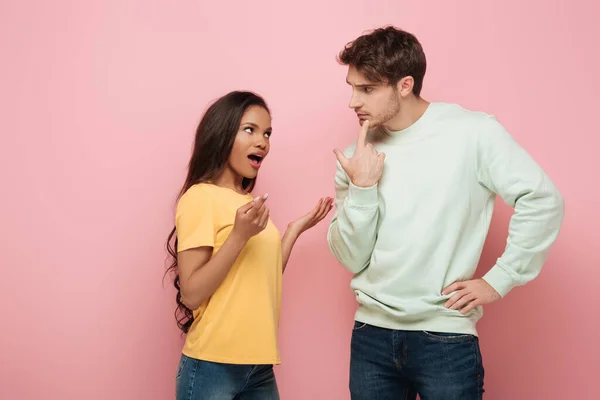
(204, 380)
(390, 364)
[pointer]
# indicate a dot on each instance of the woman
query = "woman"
(228, 258)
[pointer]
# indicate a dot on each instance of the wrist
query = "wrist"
(237, 238)
(363, 196)
(363, 183)
(292, 231)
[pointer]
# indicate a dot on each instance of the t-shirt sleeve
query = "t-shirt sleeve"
(194, 220)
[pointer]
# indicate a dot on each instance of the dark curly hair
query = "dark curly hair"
(212, 146)
(387, 54)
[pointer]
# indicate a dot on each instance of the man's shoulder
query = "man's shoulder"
(454, 111)
(455, 117)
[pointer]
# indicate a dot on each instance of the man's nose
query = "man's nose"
(354, 102)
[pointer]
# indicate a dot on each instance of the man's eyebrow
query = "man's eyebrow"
(363, 84)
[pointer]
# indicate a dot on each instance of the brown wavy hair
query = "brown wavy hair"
(213, 143)
(387, 54)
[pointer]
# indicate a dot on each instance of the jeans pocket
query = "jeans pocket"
(449, 337)
(181, 365)
(359, 326)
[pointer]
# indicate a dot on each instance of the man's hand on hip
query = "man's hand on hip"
(470, 294)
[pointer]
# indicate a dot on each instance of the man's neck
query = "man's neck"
(411, 110)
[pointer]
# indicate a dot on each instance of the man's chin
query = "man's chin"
(372, 123)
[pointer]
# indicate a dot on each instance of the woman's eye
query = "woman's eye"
(249, 129)
(267, 134)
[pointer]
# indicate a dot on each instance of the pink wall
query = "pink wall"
(99, 102)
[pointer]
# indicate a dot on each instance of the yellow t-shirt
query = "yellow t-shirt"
(238, 324)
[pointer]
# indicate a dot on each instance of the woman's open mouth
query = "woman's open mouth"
(255, 160)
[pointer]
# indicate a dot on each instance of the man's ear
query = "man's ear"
(404, 87)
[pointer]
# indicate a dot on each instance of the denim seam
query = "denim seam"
(252, 371)
(476, 369)
(192, 379)
(396, 363)
(478, 364)
(405, 351)
(181, 366)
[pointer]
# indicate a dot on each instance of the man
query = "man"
(412, 230)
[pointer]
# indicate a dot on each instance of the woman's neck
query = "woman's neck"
(229, 179)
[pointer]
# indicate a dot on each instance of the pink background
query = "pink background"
(99, 103)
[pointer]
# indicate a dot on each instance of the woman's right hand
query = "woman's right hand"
(251, 218)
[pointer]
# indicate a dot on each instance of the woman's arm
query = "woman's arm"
(200, 274)
(297, 227)
(287, 244)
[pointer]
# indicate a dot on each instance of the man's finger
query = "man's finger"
(455, 297)
(470, 307)
(341, 158)
(362, 135)
(453, 288)
(380, 160)
(462, 302)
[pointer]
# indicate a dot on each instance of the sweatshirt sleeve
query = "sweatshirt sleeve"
(506, 169)
(353, 227)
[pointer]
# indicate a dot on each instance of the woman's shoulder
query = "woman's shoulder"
(208, 193)
(205, 191)
(198, 193)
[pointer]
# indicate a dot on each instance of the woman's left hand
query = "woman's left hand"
(309, 220)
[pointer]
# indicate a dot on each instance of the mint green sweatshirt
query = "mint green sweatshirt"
(423, 226)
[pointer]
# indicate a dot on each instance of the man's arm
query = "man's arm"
(507, 169)
(353, 228)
